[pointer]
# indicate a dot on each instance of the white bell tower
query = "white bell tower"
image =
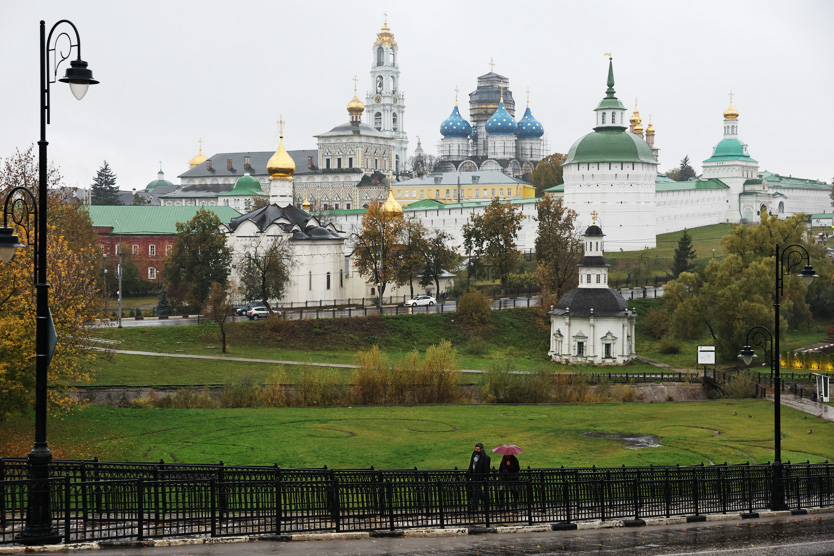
(385, 103)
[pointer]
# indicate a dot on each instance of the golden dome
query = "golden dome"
(391, 205)
(199, 159)
(650, 129)
(385, 37)
(355, 106)
(306, 204)
(638, 128)
(635, 119)
(731, 113)
(281, 165)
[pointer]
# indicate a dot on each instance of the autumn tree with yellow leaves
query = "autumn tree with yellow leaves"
(72, 263)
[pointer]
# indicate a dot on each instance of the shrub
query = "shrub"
(656, 323)
(188, 399)
(474, 308)
(138, 312)
(317, 388)
(476, 346)
(131, 314)
(739, 387)
(437, 378)
(669, 344)
(371, 380)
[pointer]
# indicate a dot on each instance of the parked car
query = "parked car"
(256, 312)
(421, 300)
(242, 310)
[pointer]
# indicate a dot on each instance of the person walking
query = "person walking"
(478, 474)
(508, 472)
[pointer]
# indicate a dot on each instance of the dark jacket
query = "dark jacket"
(509, 468)
(482, 467)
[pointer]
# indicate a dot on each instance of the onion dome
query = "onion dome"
(160, 180)
(501, 123)
(650, 129)
(528, 126)
(638, 128)
(199, 158)
(355, 106)
(455, 125)
(731, 113)
(391, 205)
(306, 204)
(281, 166)
(635, 118)
(246, 186)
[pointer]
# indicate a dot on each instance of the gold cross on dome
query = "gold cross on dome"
(456, 94)
(355, 81)
(606, 54)
(491, 64)
(281, 123)
(385, 14)
(594, 215)
(528, 96)
(201, 144)
(731, 96)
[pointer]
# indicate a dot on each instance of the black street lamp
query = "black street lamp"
(787, 261)
(39, 528)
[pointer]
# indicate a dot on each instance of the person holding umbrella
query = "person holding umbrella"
(508, 472)
(478, 472)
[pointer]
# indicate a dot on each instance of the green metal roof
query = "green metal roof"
(610, 146)
(426, 204)
(823, 216)
(150, 219)
(440, 206)
(555, 189)
(245, 186)
(790, 182)
(156, 183)
(688, 185)
(729, 149)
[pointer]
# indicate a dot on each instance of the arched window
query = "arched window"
(781, 207)
(328, 280)
(394, 120)
(603, 118)
(380, 56)
(378, 121)
(378, 83)
(393, 84)
(613, 117)
(393, 57)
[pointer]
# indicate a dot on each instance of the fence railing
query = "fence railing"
(798, 384)
(92, 500)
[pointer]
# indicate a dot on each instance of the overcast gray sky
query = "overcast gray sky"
(172, 72)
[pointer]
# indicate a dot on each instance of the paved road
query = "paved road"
(791, 536)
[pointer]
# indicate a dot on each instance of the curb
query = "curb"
(420, 532)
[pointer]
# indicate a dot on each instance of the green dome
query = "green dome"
(245, 186)
(610, 146)
(156, 183)
(729, 149)
(160, 180)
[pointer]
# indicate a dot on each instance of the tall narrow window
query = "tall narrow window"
(152, 250)
(151, 273)
(603, 118)
(394, 120)
(310, 278)
(580, 348)
(613, 117)
(378, 121)
(341, 279)
(380, 56)
(328, 280)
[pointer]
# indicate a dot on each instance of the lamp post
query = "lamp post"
(787, 261)
(39, 528)
(119, 273)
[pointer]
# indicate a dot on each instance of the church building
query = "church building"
(592, 323)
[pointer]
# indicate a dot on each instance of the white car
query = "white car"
(421, 300)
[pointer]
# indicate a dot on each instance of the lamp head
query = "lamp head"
(79, 78)
(9, 242)
(808, 274)
(747, 354)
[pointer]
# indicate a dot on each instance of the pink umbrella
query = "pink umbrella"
(507, 449)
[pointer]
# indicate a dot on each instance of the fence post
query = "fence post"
(389, 499)
(441, 503)
(212, 499)
(667, 493)
(487, 498)
(140, 508)
(67, 505)
(279, 504)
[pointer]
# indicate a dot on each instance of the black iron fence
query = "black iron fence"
(798, 384)
(92, 500)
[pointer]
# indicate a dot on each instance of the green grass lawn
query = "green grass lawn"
(704, 240)
(435, 436)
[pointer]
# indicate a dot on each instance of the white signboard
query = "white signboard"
(706, 355)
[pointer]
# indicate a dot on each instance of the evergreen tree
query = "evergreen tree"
(684, 255)
(686, 171)
(104, 190)
(163, 306)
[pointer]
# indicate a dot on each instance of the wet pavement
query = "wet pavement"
(808, 535)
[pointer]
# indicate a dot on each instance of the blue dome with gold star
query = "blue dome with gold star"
(501, 123)
(455, 125)
(528, 126)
